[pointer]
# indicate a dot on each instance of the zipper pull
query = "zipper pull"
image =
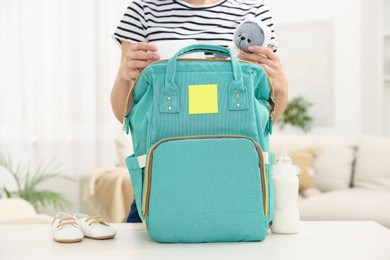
(270, 124)
(126, 124)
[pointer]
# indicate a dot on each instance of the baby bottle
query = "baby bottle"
(286, 213)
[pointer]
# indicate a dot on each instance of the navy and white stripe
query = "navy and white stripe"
(150, 21)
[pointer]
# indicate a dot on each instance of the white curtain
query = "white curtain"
(57, 66)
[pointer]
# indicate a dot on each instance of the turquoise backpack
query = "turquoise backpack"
(201, 165)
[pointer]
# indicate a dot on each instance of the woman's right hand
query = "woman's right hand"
(138, 56)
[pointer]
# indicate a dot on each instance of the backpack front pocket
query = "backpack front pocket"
(206, 189)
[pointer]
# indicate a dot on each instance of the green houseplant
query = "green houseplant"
(27, 182)
(297, 114)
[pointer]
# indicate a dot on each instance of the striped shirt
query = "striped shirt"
(151, 21)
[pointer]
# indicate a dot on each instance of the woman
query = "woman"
(207, 21)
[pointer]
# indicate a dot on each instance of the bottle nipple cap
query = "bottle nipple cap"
(284, 158)
(284, 166)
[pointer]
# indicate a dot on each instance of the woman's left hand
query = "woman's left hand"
(270, 61)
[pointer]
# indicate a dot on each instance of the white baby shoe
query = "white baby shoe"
(65, 229)
(95, 227)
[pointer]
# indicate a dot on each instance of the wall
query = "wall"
(356, 106)
(372, 108)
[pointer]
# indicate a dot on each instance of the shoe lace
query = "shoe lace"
(64, 222)
(96, 219)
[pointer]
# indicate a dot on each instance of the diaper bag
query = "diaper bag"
(201, 165)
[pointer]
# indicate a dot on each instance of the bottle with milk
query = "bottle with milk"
(286, 214)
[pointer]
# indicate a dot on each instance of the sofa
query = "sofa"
(347, 179)
(340, 179)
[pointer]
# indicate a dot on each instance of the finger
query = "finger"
(141, 55)
(267, 52)
(249, 56)
(138, 64)
(143, 46)
(258, 58)
(130, 74)
(268, 70)
(270, 63)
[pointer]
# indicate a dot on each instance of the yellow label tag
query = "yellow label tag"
(202, 99)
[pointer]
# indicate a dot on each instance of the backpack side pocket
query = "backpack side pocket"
(137, 179)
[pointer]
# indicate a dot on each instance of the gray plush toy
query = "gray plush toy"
(253, 32)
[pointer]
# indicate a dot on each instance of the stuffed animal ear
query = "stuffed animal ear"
(269, 41)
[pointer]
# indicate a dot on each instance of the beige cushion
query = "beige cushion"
(107, 191)
(372, 170)
(349, 204)
(333, 162)
(303, 159)
(334, 166)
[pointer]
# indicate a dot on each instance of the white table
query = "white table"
(316, 240)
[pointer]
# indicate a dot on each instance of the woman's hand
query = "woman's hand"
(134, 57)
(138, 56)
(270, 61)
